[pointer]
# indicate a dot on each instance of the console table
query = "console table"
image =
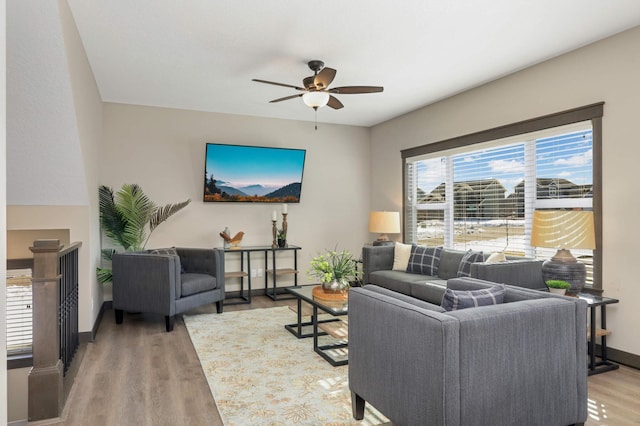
(275, 271)
(244, 299)
(245, 253)
(594, 302)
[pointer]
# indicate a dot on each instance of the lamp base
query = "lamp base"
(383, 240)
(563, 266)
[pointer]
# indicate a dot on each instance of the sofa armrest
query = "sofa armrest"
(203, 261)
(403, 359)
(525, 352)
(145, 282)
(521, 273)
(376, 258)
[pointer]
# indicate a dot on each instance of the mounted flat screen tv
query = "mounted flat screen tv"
(252, 174)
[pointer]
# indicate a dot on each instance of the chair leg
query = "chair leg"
(219, 305)
(168, 320)
(119, 316)
(357, 406)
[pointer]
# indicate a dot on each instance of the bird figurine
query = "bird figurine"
(234, 241)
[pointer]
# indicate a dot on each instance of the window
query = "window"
(19, 311)
(479, 192)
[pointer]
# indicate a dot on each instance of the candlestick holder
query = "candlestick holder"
(274, 231)
(284, 226)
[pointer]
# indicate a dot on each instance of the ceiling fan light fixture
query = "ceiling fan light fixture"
(315, 99)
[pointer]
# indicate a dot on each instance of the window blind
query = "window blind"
(19, 311)
(482, 196)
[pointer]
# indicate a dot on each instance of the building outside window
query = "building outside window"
(482, 196)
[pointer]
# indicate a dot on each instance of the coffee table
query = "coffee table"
(335, 353)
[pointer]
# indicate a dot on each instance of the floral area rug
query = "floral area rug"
(260, 374)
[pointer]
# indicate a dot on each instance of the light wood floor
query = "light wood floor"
(138, 374)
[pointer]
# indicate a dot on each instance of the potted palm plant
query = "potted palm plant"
(128, 218)
(558, 286)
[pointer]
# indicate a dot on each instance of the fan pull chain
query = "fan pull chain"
(315, 110)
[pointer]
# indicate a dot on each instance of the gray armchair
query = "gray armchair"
(522, 362)
(167, 284)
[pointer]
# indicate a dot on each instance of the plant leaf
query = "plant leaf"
(104, 275)
(107, 254)
(136, 208)
(111, 220)
(165, 212)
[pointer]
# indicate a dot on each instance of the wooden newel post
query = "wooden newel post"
(46, 375)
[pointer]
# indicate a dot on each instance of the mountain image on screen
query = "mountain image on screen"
(291, 190)
(215, 191)
(253, 174)
(258, 189)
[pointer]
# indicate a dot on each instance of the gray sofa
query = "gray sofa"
(522, 362)
(167, 284)
(377, 263)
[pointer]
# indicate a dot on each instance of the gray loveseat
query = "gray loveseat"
(167, 284)
(522, 362)
(377, 263)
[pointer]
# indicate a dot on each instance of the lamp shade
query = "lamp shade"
(315, 99)
(563, 229)
(384, 222)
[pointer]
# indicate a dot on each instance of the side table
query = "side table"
(242, 273)
(597, 367)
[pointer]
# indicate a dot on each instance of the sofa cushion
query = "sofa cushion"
(424, 260)
(196, 283)
(409, 299)
(453, 300)
(430, 291)
(464, 269)
(395, 280)
(401, 254)
(449, 263)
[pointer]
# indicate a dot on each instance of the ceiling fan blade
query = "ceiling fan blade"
(286, 98)
(334, 103)
(349, 90)
(324, 78)
(278, 84)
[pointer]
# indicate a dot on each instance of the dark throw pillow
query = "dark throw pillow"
(453, 300)
(424, 260)
(464, 270)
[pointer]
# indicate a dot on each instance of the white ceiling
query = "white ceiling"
(202, 54)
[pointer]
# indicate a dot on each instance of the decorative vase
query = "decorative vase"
(335, 285)
(282, 242)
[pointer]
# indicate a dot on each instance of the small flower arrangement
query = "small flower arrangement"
(333, 265)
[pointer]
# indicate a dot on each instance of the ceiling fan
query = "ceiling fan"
(316, 92)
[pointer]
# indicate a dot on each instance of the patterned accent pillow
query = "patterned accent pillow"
(424, 260)
(453, 300)
(170, 251)
(464, 270)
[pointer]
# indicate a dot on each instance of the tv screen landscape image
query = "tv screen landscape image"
(252, 174)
